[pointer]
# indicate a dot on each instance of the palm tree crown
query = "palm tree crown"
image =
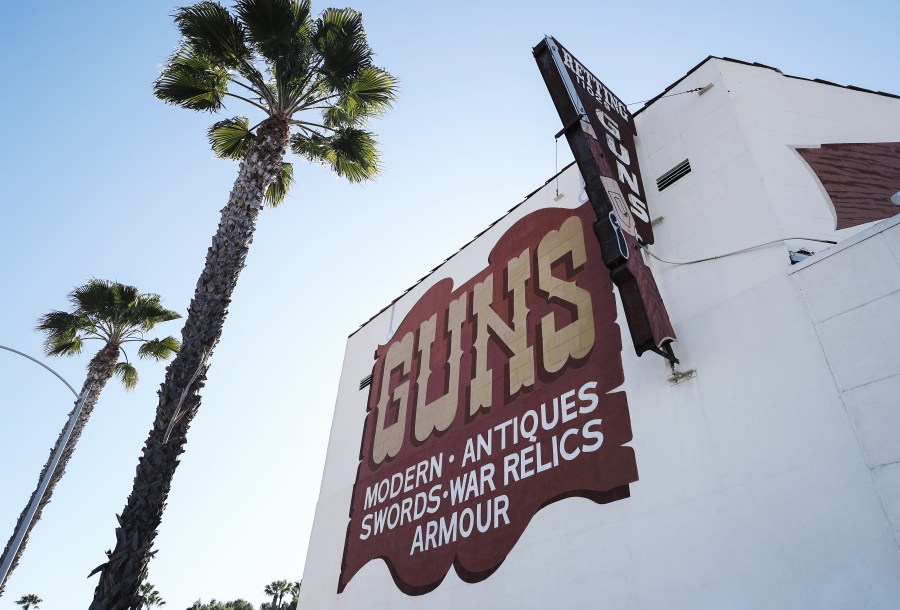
(150, 596)
(277, 589)
(115, 314)
(29, 601)
(316, 74)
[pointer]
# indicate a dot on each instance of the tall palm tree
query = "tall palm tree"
(149, 596)
(29, 601)
(115, 315)
(315, 85)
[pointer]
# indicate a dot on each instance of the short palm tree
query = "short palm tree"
(29, 601)
(149, 596)
(315, 85)
(115, 315)
(238, 604)
(294, 590)
(277, 589)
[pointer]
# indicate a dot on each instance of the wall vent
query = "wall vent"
(673, 175)
(365, 382)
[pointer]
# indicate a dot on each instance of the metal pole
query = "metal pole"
(15, 351)
(19, 534)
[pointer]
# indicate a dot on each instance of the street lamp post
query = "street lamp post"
(19, 534)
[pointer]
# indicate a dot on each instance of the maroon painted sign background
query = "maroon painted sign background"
(860, 178)
(492, 400)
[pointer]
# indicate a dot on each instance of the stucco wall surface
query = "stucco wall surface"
(852, 293)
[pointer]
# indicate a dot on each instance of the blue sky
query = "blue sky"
(100, 179)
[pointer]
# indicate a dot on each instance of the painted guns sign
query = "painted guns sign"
(492, 400)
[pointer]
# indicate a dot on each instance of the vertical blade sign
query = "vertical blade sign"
(600, 132)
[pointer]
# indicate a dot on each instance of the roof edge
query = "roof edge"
(767, 67)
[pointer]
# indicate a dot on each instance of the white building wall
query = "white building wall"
(721, 206)
(769, 480)
(779, 113)
(853, 299)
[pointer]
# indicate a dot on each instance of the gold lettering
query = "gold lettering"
(439, 414)
(514, 338)
(389, 439)
(576, 339)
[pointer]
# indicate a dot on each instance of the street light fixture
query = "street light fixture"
(19, 534)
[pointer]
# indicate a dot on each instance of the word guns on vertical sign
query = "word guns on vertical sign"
(612, 127)
(492, 400)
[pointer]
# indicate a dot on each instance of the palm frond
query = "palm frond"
(113, 308)
(275, 26)
(293, 72)
(341, 41)
(266, 97)
(231, 138)
(314, 147)
(280, 31)
(147, 312)
(127, 374)
(95, 297)
(213, 33)
(64, 348)
(344, 113)
(280, 187)
(372, 88)
(351, 153)
(125, 297)
(62, 326)
(369, 94)
(159, 349)
(192, 81)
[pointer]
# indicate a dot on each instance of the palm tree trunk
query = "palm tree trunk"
(100, 370)
(179, 396)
